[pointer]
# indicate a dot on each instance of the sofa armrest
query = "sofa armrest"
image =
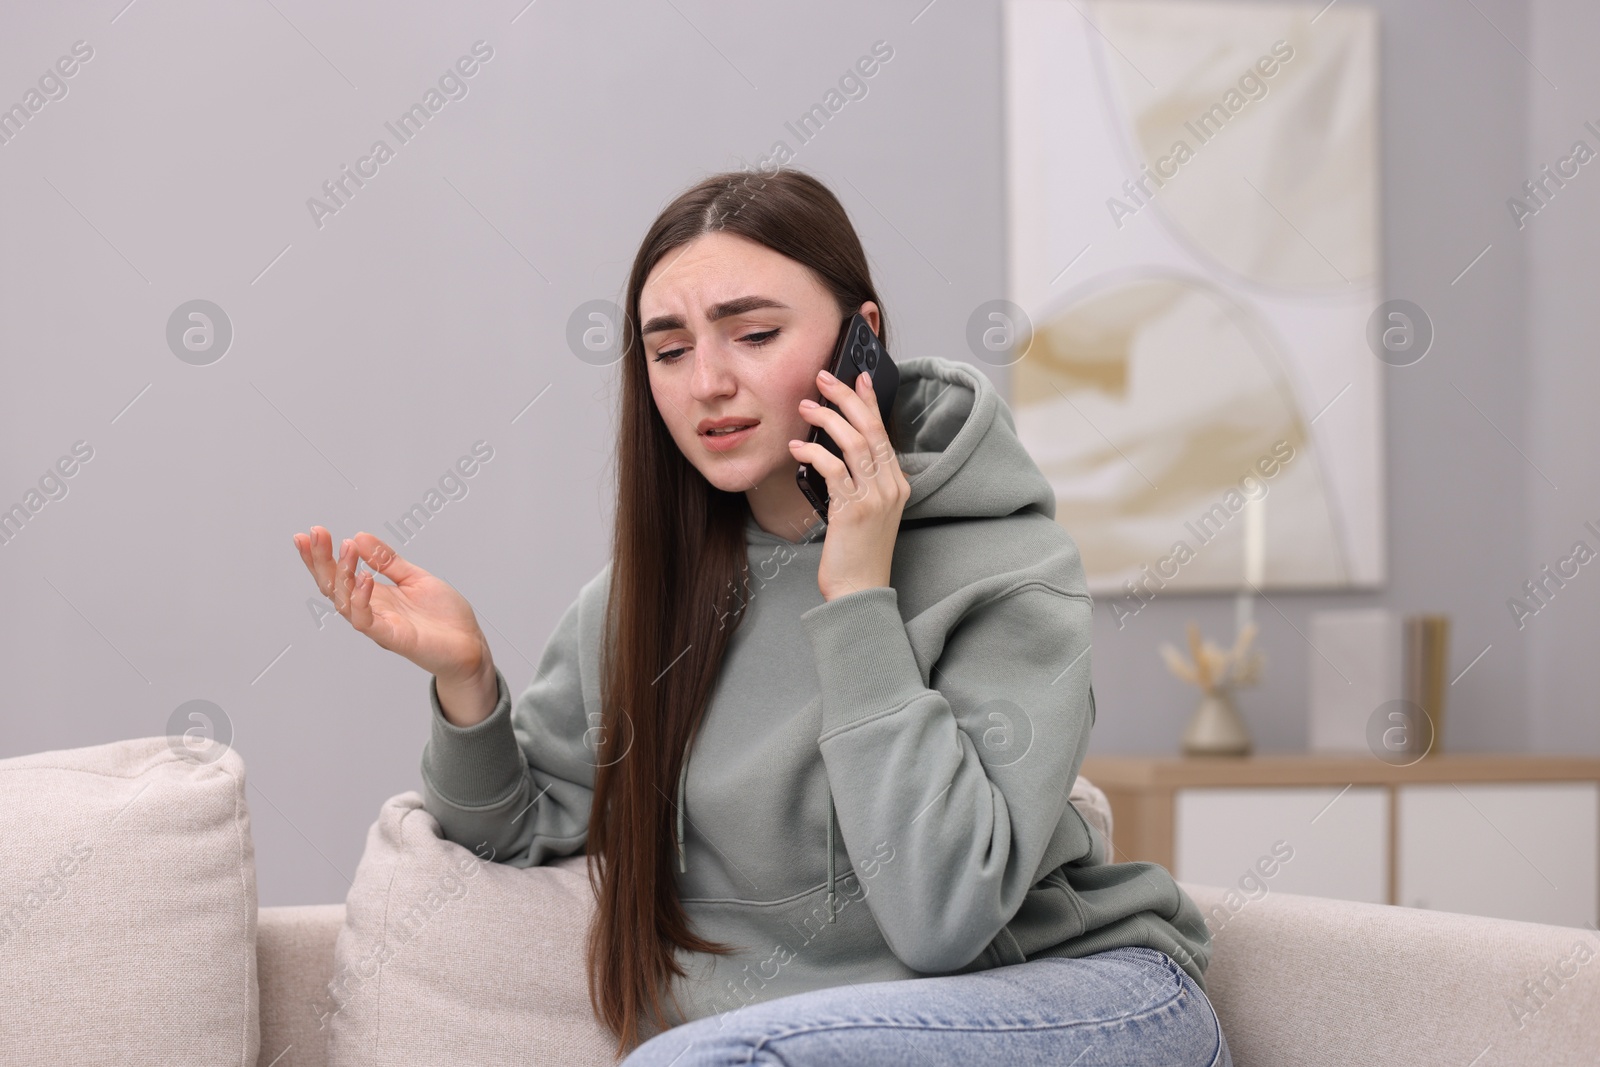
(1312, 981)
(294, 960)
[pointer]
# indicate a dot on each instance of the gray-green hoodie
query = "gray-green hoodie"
(879, 787)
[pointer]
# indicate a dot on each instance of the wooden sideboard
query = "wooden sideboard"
(1509, 835)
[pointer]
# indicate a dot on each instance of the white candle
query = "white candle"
(1255, 561)
(1255, 541)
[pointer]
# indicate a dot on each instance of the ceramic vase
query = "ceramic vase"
(1216, 729)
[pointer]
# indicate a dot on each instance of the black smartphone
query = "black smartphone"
(858, 351)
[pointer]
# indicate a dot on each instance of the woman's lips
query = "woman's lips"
(723, 441)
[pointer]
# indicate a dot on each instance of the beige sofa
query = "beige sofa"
(129, 932)
(1296, 980)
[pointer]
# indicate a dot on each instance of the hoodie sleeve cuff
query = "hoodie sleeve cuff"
(476, 765)
(863, 657)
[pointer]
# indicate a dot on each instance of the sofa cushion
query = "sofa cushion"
(1094, 807)
(127, 907)
(448, 958)
(1319, 983)
(294, 958)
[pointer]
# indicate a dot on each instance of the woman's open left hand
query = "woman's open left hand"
(867, 491)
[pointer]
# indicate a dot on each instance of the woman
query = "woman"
(821, 766)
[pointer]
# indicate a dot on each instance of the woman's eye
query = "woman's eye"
(757, 340)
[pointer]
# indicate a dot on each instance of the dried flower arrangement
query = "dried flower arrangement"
(1215, 670)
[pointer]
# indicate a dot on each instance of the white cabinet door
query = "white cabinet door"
(1338, 834)
(1518, 851)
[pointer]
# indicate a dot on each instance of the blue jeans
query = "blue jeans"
(1125, 1006)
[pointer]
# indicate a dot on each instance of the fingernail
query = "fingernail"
(808, 403)
(825, 376)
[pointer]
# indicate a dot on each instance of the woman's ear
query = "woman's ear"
(869, 311)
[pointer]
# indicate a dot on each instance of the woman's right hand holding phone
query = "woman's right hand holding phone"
(420, 617)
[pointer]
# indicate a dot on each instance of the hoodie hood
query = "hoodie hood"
(963, 459)
(962, 454)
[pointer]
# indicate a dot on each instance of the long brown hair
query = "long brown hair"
(678, 559)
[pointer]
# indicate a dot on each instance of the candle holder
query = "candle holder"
(1216, 728)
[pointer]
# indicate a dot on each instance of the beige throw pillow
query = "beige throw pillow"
(446, 957)
(127, 908)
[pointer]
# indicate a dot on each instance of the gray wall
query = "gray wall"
(1563, 278)
(429, 313)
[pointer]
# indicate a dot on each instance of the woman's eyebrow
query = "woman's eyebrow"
(737, 306)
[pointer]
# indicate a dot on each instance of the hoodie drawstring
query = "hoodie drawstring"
(683, 860)
(830, 856)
